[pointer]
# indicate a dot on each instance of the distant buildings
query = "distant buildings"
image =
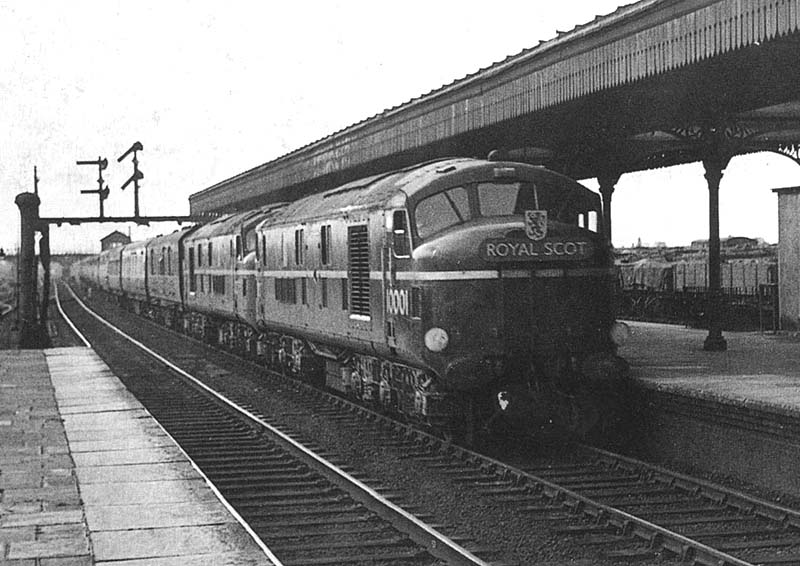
(114, 240)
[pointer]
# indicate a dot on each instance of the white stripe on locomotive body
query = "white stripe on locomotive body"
(473, 275)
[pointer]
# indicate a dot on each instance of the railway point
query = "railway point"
(88, 477)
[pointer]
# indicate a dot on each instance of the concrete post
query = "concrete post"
(714, 341)
(30, 332)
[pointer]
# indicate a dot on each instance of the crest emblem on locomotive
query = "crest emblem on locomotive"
(536, 224)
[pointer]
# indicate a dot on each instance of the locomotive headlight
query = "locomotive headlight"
(436, 339)
(620, 332)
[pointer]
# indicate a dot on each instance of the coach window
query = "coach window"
(210, 261)
(441, 210)
(400, 243)
(152, 262)
(199, 255)
(238, 247)
(169, 261)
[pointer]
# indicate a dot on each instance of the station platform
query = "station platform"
(88, 477)
(734, 412)
(757, 370)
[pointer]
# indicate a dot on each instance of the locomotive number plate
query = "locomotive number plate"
(506, 249)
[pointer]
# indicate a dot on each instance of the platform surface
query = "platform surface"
(88, 477)
(760, 371)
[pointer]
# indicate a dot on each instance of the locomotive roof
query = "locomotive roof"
(379, 190)
(230, 223)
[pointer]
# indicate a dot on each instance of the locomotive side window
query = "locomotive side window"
(442, 210)
(192, 281)
(592, 225)
(285, 291)
(298, 247)
(400, 243)
(218, 284)
(416, 302)
(325, 244)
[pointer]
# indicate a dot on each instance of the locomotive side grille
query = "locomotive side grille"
(358, 269)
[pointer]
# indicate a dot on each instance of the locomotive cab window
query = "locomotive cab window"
(563, 203)
(442, 210)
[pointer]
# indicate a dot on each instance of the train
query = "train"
(462, 294)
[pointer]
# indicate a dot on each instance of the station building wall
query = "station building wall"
(789, 257)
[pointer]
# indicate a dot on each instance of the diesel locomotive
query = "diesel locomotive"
(460, 293)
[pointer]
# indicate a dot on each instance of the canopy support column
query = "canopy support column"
(714, 341)
(607, 183)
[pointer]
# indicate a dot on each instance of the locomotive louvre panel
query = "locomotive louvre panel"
(358, 269)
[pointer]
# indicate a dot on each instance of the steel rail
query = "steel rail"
(658, 537)
(722, 494)
(259, 542)
(69, 322)
(434, 542)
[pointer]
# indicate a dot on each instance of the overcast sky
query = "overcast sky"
(212, 89)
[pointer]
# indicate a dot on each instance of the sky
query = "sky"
(213, 89)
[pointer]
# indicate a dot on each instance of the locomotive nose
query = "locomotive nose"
(473, 371)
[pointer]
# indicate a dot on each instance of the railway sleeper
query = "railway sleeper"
(357, 544)
(757, 544)
(358, 516)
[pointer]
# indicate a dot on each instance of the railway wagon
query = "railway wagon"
(677, 291)
(460, 293)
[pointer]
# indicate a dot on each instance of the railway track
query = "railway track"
(623, 508)
(305, 509)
